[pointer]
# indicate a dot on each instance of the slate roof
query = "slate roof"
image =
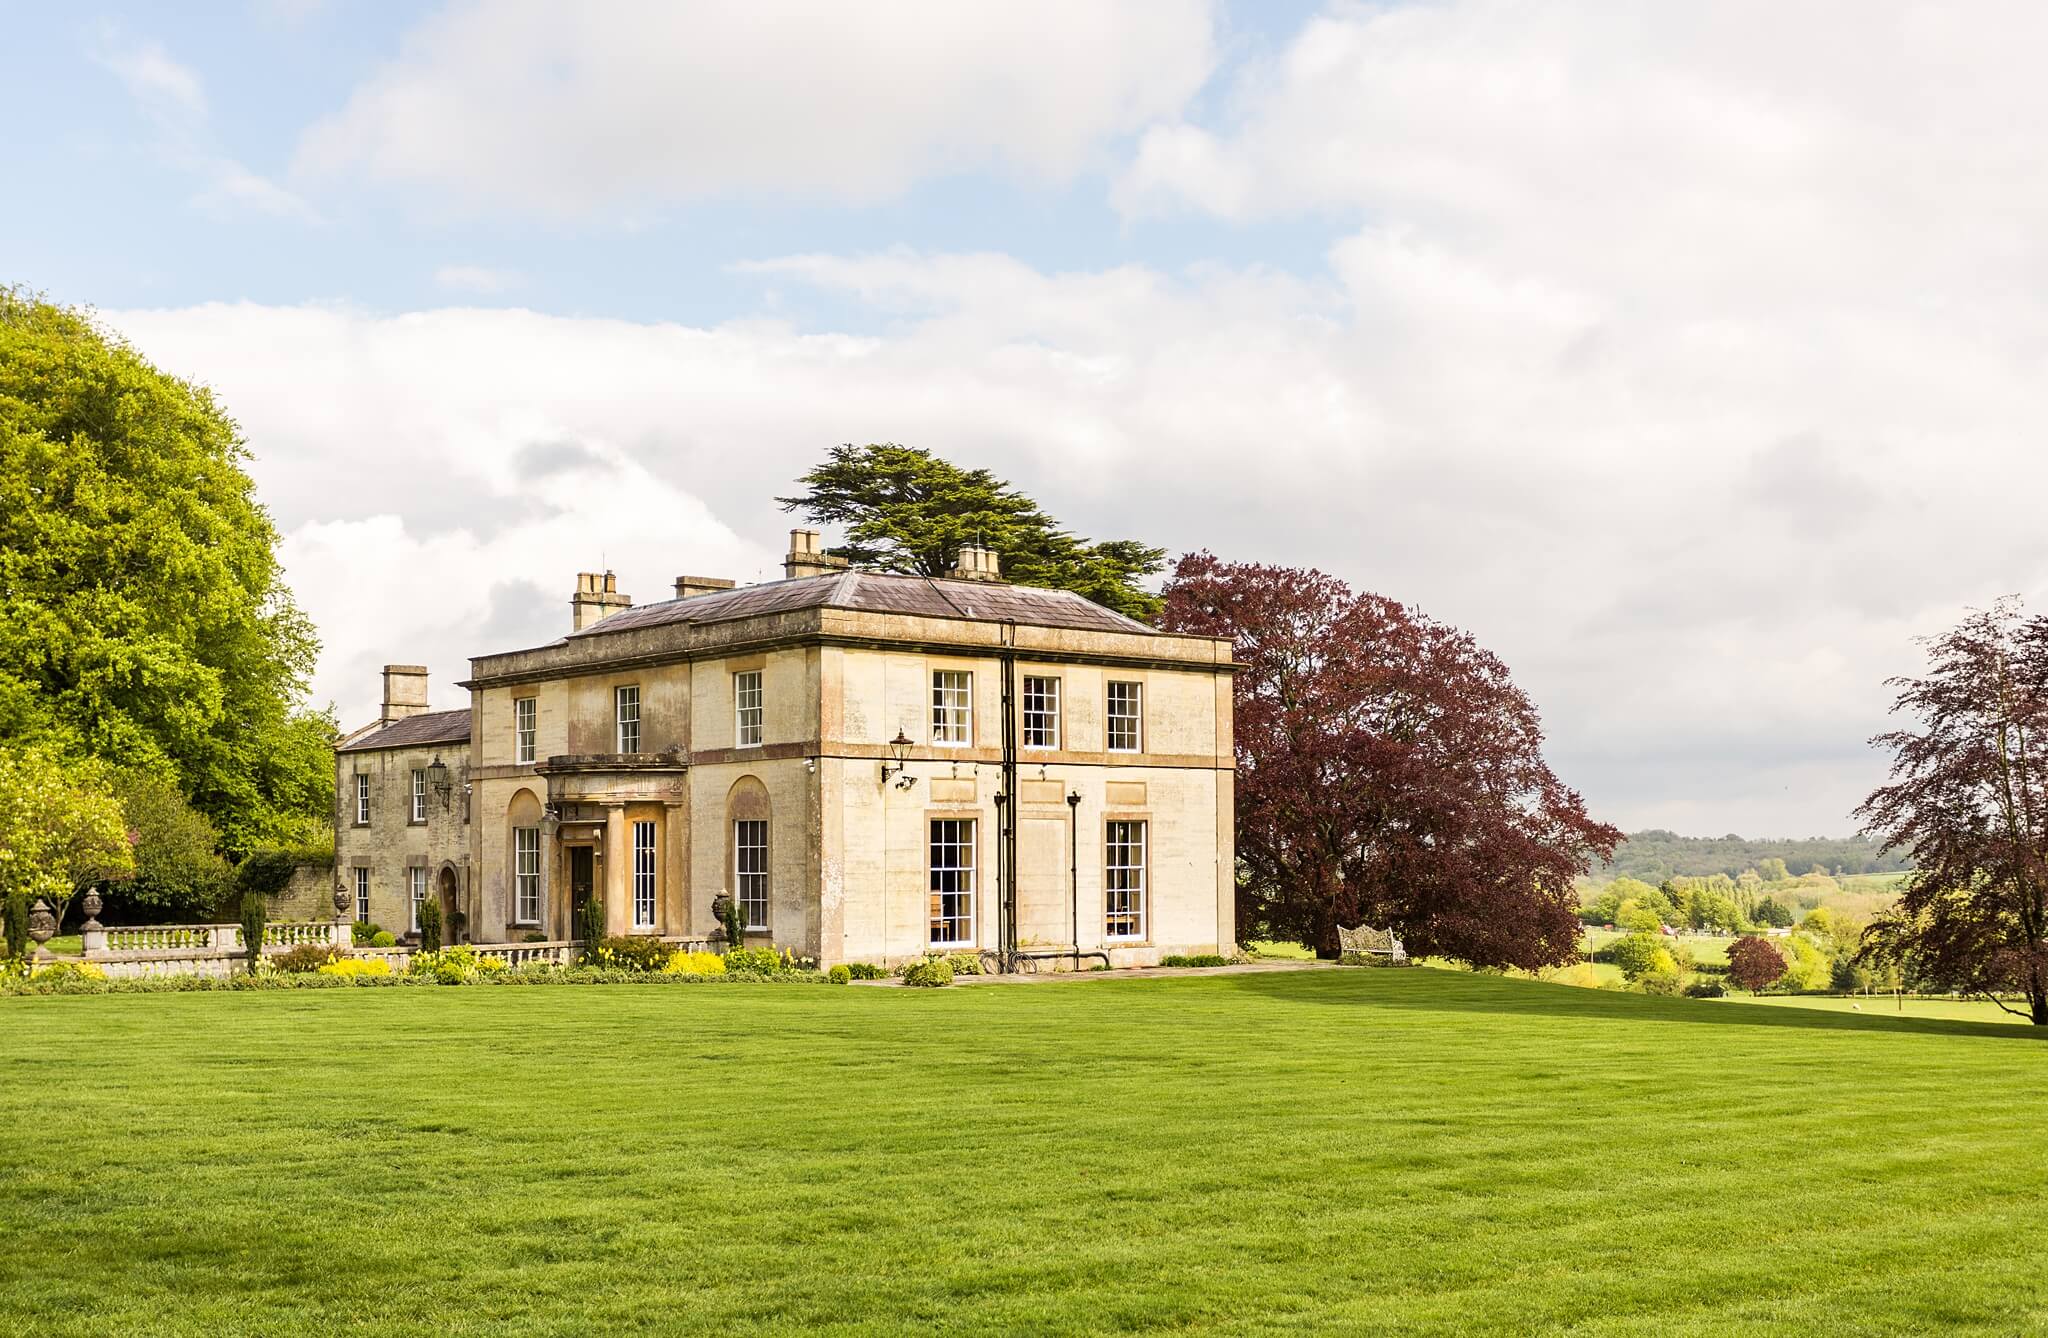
(414, 731)
(880, 592)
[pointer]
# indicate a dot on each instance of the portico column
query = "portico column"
(618, 871)
(674, 883)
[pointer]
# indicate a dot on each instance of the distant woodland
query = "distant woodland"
(1655, 855)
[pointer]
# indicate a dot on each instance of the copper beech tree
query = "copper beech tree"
(1968, 799)
(1388, 772)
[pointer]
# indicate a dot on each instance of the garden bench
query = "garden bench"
(1368, 943)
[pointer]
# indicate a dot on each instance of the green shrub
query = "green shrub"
(965, 963)
(590, 925)
(365, 932)
(631, 952)
(866, 971)
(305, 957)
(430, 925)
(929, 972)
(533, 936)
(839, 975)
(1669, 983)
(383, 939)
(759, 961)
(735, 924)
(1706, 989)
(15, 913)
(255, 919)
(1195, 959)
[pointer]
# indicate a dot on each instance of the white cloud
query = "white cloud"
(1702, 550)
(172, 99)
(477, 278)
(1692, 372)
(570, 109)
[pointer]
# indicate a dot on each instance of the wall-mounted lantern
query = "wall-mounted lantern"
(437, 776)
(899, 747)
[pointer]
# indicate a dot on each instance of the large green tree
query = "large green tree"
(143, 619)
(904, 509)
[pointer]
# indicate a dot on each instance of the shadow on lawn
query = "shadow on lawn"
(1430, 989)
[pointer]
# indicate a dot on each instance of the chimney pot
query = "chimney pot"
(807, 558)
(686, 586)
(976, 564)
(597, 597)
(405, 692)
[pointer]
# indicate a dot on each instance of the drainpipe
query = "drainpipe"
(1006, 802)
(1074, 869)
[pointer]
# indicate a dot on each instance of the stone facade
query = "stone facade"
(402, 805)
(872, 765)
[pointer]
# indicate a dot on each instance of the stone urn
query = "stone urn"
(42, 922)
(341, 900)
(721, 907)
(92, 904)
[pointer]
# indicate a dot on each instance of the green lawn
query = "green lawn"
(1889, 1006)
(1353, 1150)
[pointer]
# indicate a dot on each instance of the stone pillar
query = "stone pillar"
(618, 871)
(674, 882)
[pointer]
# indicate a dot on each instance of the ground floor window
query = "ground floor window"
(750, 869)
(1123, 881)
(419, 894)
(526, 875)
(643, 875)
(362, 893)
(952, 884)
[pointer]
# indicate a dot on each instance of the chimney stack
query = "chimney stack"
(806, 558)
(405, 691)
(597, 596)
(687, 586)
(976, 564)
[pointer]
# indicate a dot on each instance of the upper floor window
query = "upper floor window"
(952, 707)
(525, 714)
(1123, 883)
(1126, 717)
(746, 708)
(362, 799)
(643, 875)
(628, 700)
(750, 870)
(1041, 713)
(362, 893)
(419, 795)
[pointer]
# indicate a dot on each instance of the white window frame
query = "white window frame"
(1043, 719)
(525, 729)
(951, 862)
(1124, 858)
(419, 794)
(416, 876)
(952, 708)
(621, 696)
(362, 799)
(643, 874)
(362, 876)
(750, 870)
(749, 718)
(1111, 717)
(526, 875)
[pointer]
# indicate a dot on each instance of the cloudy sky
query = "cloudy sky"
(1677, 351)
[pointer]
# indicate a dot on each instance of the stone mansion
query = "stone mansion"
(871, 765)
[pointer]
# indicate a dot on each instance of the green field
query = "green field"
(1357, 1150)
(1889, 1006)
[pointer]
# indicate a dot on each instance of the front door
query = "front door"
(582, 879)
